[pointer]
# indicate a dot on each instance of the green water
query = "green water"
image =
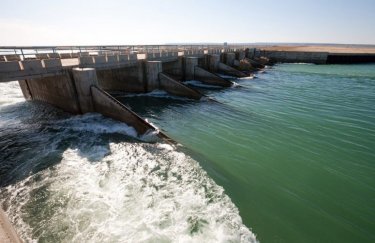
(294, 149)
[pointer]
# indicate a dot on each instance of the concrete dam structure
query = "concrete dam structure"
(317, 57)
(81, 82)
(81, 79)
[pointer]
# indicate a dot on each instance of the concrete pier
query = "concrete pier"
(174, 87)
(84, 78)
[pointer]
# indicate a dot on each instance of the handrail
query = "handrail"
(30, 51)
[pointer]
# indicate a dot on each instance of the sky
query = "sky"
(122, 22)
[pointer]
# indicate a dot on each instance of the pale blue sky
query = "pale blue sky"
(92, 22)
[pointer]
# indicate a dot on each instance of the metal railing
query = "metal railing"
(29, 52)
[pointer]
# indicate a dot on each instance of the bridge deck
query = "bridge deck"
(16, 69)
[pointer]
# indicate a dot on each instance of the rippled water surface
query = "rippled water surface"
(290, 154)
(293, 148)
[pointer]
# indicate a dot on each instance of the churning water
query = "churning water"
(87, 179)
(293, 149)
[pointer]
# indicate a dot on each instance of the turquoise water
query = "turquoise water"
(288, 156)
(294, 149)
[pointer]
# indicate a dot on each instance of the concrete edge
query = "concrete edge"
(107, 105)
(230, 70)
(7, 232)
(207, 77)
(175, 87)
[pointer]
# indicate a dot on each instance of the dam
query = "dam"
(80, 79)
(83, 81)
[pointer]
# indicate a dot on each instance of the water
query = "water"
(90, 179)
(290, 152)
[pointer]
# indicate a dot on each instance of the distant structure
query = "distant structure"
(225, 44)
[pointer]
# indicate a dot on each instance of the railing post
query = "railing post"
(23, 56)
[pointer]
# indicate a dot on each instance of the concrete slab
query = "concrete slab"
(41, 56)
(230, 70)
(9, 67)
(52, 63)
(83, 54)
(123, 58)
(100, 60)
(70, 62)
(210, 78)
(53, 55)
(157, 55)
(32, 65)
(150, 56)
(86, 60)
(107, 105)
(112, 59)
(65, 55)
(177, 88)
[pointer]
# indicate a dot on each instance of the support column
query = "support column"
(213, 63)
(153, 68)
(84, 78)
(25, 89)
(240, 55)
(190, 64)
(229, 58)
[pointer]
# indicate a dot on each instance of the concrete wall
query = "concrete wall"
(126, 79)
(25, 89)
(212, 62)
(296, 57)
(27, 69)
(174, 87)
(57, 90)
(225, 69)
(84, 78)
(175, 68)
(77, 92)
(210, 78)
(107, 105)
(240, 55)
(228, 58)
(189, 67)
(350, 58)
(152, 70)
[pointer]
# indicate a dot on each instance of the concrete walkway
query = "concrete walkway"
(7, 232)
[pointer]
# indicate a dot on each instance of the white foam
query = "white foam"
(96, 123)
(155, 93)
(203, 85)
(132, 193)
(10, 93)
(121, 192)
(247, 78)
(226, 76)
